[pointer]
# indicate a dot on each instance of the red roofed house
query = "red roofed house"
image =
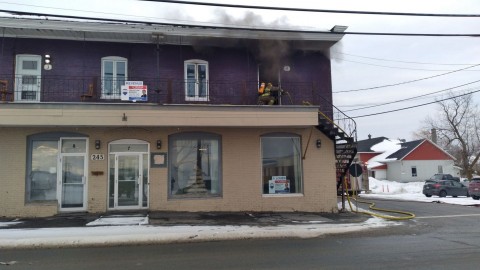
(405, 162)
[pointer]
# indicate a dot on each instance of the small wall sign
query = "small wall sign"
(97, 157)
(158, 160)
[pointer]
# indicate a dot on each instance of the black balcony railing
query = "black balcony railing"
(30, 88)
(70, 89)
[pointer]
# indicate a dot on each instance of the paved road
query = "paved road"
(442, 237)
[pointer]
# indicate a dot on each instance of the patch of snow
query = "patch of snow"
(9, 223)
(119, 221)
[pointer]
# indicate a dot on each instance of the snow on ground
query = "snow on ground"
(121, 230)
(391, 190)
(133, 229)
(116, 235)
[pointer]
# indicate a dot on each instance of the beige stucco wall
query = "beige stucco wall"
(241, 168)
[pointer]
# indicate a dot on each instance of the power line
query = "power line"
(415, 106)
(124, 15)
(317, 10)
(395, 84)
(399, 61)
(411, 98)
(14, 12)
(393, 67)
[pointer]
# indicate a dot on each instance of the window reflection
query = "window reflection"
(281, 164)
(194, 165)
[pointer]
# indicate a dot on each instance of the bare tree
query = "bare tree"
(457, 126)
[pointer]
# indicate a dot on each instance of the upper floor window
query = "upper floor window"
(196, 80)
(114, 75)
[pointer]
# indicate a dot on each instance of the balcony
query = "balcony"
(56, 89)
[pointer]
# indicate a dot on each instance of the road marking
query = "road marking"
(450, 216)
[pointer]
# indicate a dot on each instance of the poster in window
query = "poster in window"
(279, 185)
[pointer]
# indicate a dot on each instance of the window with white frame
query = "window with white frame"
(44, 168)
(414, 171)
(196, 80)
(114, 75)
(281, 163)
(194, 165)
(440, 169)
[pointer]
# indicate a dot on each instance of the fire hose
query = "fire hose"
(407, 215)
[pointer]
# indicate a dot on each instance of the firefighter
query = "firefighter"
(266, 97)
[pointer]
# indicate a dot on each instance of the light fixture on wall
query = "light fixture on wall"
(48, 62)
(319, 143)
(98, 144)
(159, 144)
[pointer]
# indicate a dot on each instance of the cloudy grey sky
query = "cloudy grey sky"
(358, 62)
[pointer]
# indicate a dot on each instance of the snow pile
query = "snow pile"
(391, 190)
(392, 187)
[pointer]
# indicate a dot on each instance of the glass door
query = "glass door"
(72, 182)
(128, 178)
(196, 81)
(28, 77)
(114, 75)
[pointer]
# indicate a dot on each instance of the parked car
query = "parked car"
(444, 176)
(474, 188)
(444, 188)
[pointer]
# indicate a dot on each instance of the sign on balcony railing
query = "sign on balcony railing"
(134, 91)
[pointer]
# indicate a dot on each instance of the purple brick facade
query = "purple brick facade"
(233, 71)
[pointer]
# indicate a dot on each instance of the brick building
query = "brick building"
(98, 117)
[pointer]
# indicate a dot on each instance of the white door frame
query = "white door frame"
(20, 72)
(60, 185)
(140, 176)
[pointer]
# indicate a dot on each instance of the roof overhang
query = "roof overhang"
(160, 33)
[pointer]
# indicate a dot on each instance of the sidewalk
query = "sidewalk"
(169, 227)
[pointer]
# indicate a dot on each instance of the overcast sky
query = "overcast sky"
(357, 61)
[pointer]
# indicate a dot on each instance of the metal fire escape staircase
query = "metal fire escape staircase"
(343, 131)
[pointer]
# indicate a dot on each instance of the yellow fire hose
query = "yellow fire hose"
(407, 215)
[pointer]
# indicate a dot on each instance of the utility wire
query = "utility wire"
(415, 106)
(316, 10)
(399, 61)
(126, 15)
(376, 65)
(411, 98)
(14, 12)
(395, 84)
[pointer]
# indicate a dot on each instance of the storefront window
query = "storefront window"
(43, 175)
(281, 164)
(56, 165)
(194, 165)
